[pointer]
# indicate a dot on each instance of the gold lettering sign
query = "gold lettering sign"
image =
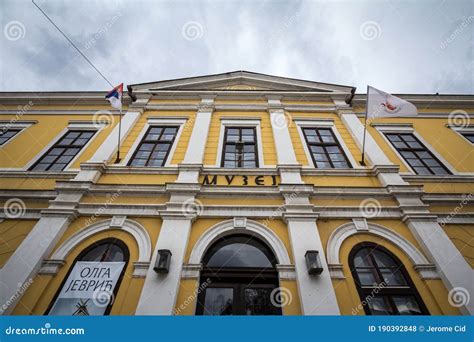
(238, 180)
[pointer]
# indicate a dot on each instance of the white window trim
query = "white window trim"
(16, 125)
(80, 126)
(156, 122)
(460, 130)
(340, 140)
(240, 123)
(408, 129)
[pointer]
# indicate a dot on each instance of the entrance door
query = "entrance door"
(239, 278)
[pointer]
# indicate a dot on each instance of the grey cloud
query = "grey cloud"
(316, 40)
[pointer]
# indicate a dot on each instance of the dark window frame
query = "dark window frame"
(3, 131)
(468, 135)
(155, 143)
(388, 291)
(324, 146)
(65, 147)
(414, 151)
(111, 241)
(238, 278)
(240, 160)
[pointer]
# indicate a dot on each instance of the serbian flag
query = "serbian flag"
(381, 104)
(115, 97)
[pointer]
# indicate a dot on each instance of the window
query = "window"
(7, 134)
(93, 280)
(422, 161)
(61, 154)
(240, 147)
(469, 136)
(242, 279)
(324, 148)
(383, 283)
(155, 146)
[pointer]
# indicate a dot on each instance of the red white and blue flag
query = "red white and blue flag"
(115, 96)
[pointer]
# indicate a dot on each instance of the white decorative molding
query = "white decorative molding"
(117, 221)
(133, 228)
(240, 222)
(252, 228)
(51, 266)
(360, 224)
(336, 271)
(286, 272)
(422, 265)
(140, 269)
(191, 271)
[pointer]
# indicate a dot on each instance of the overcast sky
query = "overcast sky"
(399, 46)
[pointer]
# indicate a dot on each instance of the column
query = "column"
(25, 262)
(317, 295)
(288, 166)
(451, 266)
(160, 291)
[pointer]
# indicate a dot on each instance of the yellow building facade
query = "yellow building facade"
(236, 193)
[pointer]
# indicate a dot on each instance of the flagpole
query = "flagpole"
(119, 130)
(362, 162)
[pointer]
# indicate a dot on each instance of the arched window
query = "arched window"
(384, 285)
(92, 281)
(239, 277)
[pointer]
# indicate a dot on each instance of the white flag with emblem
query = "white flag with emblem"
(381, 104)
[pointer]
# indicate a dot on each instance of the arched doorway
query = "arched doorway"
(239, 277)
(93, 280)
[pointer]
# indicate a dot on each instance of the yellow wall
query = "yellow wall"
(456, 150)
(182, 143)
(462, 236)
(432, 292)
(298, 141)
(12, 234)
(31, 141)
(269, 153)
(41, 292)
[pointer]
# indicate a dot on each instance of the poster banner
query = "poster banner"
(89, 288)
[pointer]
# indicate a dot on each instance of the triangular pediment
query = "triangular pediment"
(240, 81)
